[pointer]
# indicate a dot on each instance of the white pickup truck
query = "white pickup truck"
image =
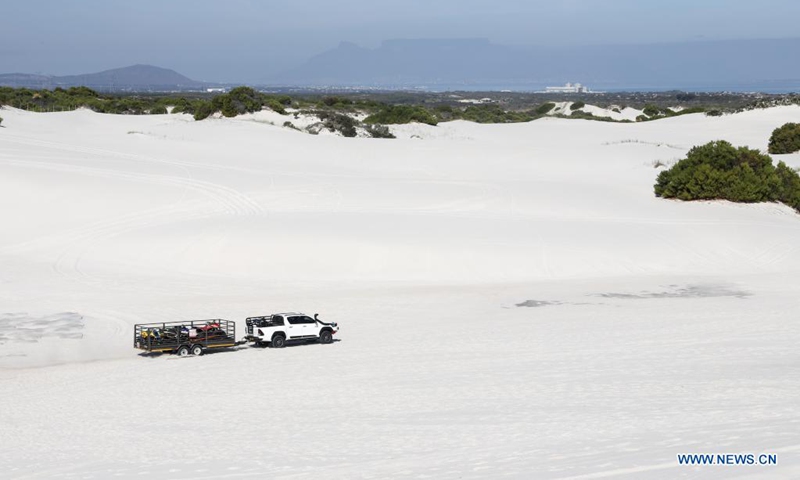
(277, 329)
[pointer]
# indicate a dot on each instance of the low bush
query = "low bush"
(581, 114)
(577, 106)
(493, 114)
(656, 111)
(400, 114)
(276, 105)
(335, 101)
(203, 110)
(687, 111)
(337, 122)
(80, 92)
(545, 108)
(718, 170)
(379, 131)
(785, 139)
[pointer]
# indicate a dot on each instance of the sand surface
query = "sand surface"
(513, 300)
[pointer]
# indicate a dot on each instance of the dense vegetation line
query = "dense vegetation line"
(382, 108)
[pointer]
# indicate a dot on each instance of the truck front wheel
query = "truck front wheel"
(325, 336)
(278, 341)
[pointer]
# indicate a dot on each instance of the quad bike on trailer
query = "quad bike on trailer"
(193, 337)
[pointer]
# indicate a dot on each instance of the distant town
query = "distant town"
(568, 88)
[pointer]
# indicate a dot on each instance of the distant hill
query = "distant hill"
(467, 62)
(136, 77)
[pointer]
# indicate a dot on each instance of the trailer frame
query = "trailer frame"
(175, 337)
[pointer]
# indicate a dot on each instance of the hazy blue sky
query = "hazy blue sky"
(248, 40)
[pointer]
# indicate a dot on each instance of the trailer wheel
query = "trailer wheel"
(197, 350)
(325, 337)
(183, 351)
(278, 341)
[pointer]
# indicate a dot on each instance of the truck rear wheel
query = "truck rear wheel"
(182, 351)
(278, 341)
(325, 336)
(197, 350)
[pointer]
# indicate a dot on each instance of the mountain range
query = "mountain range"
(135, 78)
(473, 64)
(466, 62)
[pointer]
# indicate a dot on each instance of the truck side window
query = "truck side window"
(308, 320)
(295, 320)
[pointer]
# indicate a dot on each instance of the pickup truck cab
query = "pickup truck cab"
(277, 329)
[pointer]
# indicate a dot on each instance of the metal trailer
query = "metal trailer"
(184, 338)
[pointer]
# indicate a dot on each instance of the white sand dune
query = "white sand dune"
(652, 327)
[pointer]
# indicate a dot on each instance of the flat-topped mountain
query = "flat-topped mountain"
(716, 65)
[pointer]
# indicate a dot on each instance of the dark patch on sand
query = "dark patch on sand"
(24, 328)
(537, 303)
(688, 291)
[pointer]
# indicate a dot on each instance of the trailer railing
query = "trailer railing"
(169, 336)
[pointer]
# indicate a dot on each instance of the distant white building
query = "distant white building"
(568, 88)
(475, 101)
(215, 90)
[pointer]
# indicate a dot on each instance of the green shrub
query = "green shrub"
(687, 111)
(1, 120)
(335, 101)
(481, 114)
(493, 114)
(577, 106)
(276, 105)
(203, 110)
(238, 101)
(400, 114)
(718, 170)
(544, 108)
(158, 110)
(337, 122)
(81, 92)
(379, 131)
(581, 114)
(785, 139)
(714, 113)
(181, 105)
(652, 110)
(445, 113)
